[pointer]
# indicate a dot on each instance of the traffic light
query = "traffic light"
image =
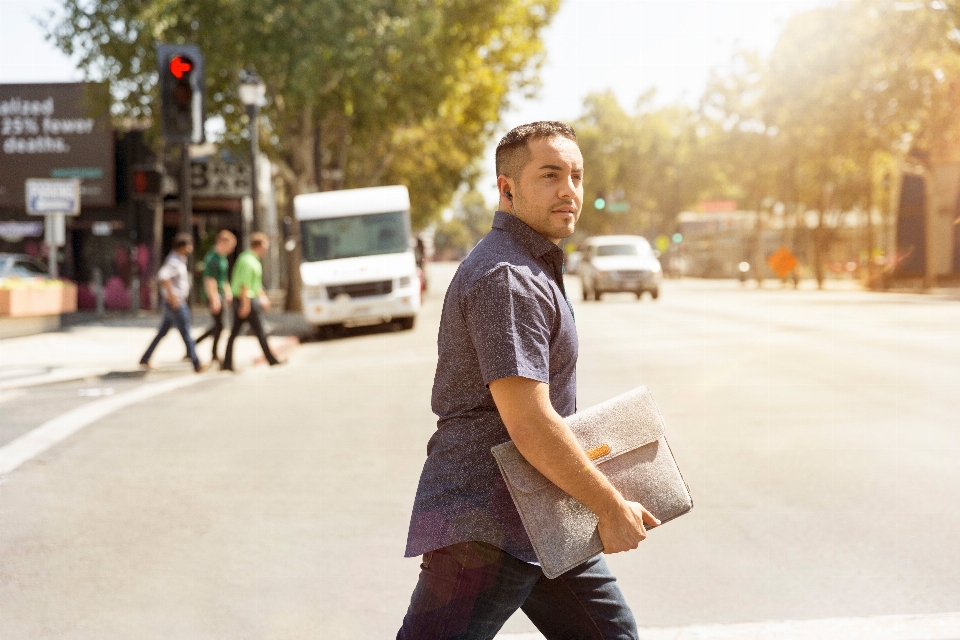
(146, 183)
(600, 203)
(181, 93)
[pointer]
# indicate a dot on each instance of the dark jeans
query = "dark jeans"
(255, 318)
(179, 318)
(468, 591)
(216, 329)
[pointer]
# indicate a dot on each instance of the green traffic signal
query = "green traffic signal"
(677, 238)
(599, 204)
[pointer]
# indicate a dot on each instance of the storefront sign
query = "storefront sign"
(54, 131)
(215, 177)
(13, 231)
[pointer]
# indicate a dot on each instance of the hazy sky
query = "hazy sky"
(592, 45)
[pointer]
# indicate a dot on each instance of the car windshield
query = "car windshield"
(621, 250)
(352, 236)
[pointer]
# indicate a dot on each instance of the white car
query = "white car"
(619, 263)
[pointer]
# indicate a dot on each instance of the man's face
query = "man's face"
(549, 195)
(262, 249)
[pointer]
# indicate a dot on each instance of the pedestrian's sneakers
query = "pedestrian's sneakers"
(147, 366)
(230, 368)
(202, 368)
(278, 362)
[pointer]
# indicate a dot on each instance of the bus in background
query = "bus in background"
(358, 264)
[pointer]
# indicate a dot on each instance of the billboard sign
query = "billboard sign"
(54, 131)
(46, 196)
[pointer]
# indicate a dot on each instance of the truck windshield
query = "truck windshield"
(352, 236)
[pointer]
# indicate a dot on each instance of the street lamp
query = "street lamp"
(252, 91)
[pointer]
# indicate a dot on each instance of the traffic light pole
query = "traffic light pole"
(186, 205)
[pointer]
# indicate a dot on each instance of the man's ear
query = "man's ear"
(506, 187)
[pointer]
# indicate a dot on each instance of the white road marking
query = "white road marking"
(944, 626)
(33, 443)
(13, 394)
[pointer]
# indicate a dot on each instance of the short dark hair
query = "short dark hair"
(258, 239)
(181, 240)
(513, 151)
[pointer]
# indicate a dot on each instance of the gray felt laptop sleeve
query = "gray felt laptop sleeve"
(625, 438)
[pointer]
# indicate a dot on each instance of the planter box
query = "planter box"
(46, 301)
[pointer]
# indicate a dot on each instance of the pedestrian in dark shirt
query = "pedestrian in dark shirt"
(507, 370)
(175, 295)
(249, 299)
(216, 285)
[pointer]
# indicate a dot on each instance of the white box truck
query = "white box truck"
(358, 265)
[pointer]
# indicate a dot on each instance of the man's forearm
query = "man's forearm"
(544, 439)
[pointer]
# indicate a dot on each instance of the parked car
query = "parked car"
(572, 262)
(619, 263)
(19, 265)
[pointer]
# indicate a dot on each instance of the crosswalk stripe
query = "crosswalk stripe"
(33, 443)
(944, 626)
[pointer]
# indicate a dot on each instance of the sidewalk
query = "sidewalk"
(88, 347)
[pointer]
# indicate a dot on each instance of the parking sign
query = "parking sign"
(47, 196)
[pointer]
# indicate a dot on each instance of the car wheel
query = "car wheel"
(655, 294)
(584, 290)
(596, 295)
(406, 324)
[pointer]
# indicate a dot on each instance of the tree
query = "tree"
(360, 92)
(647, 163)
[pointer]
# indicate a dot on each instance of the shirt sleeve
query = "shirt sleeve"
(167, 271)
(211, 266)
(510, 326)
(242, 276)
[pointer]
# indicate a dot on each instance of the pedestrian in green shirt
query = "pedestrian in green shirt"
(249, 299)
(216, 285)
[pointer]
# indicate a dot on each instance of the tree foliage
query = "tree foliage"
(850, 90)
(359, 93)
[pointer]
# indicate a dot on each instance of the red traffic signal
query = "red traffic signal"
(180, 66)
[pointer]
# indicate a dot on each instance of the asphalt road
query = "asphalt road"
(818, 431)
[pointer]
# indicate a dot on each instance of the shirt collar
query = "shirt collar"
(533, 241)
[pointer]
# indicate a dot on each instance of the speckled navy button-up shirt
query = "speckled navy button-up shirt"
(505, 314)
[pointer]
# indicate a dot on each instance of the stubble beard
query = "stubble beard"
(542, 222)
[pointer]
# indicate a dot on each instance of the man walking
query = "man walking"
(249, 299)
(507, 370)
(216, 285)
(175, 291)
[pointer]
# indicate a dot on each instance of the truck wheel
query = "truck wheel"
(406, 324)
(329, 331)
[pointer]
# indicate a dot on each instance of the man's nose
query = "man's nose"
(567, 190)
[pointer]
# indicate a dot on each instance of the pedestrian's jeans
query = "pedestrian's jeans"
(216, 329)
(179, 318)
(467, 591)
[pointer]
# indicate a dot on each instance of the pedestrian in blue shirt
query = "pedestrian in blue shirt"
(507, 370)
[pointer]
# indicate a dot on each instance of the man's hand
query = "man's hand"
(264, 301)
(623, 529)
(173, 301)
(215, 305)
(244, 309)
